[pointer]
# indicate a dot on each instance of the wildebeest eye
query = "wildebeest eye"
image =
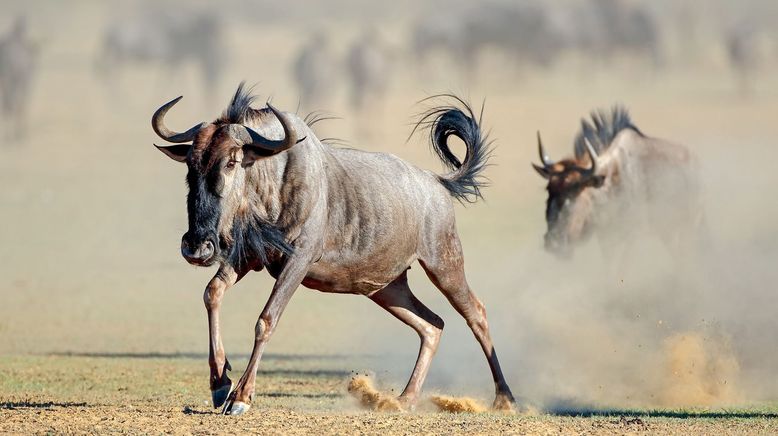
(231, 164)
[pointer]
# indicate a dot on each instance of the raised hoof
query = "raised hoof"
(236, 408)
(219, 396)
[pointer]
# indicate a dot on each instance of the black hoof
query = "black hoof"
(219, 396)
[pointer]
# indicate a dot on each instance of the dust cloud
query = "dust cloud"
(640, 325)
(699, 371)
(363, 390)
(445, 403)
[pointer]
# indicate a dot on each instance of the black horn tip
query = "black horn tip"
(542, 171)
(175, 100)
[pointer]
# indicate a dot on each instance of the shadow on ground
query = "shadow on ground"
(277, 357)
(13, 405)
(590, 413)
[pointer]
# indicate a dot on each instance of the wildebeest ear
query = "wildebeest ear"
(542, 171)
(177, 152)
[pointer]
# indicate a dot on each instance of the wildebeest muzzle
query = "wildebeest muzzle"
(199, 250)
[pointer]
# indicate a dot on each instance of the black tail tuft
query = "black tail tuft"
(465, 180)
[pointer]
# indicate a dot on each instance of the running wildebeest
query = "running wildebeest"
(265, 192)
(18, 62)
(166, 38)
(618, 179)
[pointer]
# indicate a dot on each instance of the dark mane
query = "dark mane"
(239, 111)
(603, 129)
(254, 238)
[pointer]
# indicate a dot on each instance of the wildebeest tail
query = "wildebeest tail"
(465, 180)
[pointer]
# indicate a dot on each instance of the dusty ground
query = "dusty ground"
(102, 326)
(296, 395)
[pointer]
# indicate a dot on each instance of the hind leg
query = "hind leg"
(445, 267)
(398, 300)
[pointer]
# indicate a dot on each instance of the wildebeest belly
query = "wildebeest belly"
(361, 278)
(367, 251)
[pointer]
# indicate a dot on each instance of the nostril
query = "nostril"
(185, 246)
(186, 252)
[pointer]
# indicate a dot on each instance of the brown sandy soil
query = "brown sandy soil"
(141, 395)
(86, 419)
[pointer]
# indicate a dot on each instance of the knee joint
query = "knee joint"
(262, 330)
(479, 322)
(431, 333)
(212, 296)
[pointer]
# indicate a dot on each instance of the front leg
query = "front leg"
(290, 278)
(217, 360)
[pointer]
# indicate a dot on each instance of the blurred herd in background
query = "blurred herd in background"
(440, 39)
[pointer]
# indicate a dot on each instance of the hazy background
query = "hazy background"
(91, 214)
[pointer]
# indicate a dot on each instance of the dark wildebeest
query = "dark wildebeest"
(315, 71)
(619, 179)
(368, 67)
(18, 62)
(168, 38)
(265, 192)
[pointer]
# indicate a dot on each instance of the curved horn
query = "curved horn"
(247, 136)
(547, 162)
(158, 124)
(592, 156)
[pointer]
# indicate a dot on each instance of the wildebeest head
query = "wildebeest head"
(569, 204)
(219, 156)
